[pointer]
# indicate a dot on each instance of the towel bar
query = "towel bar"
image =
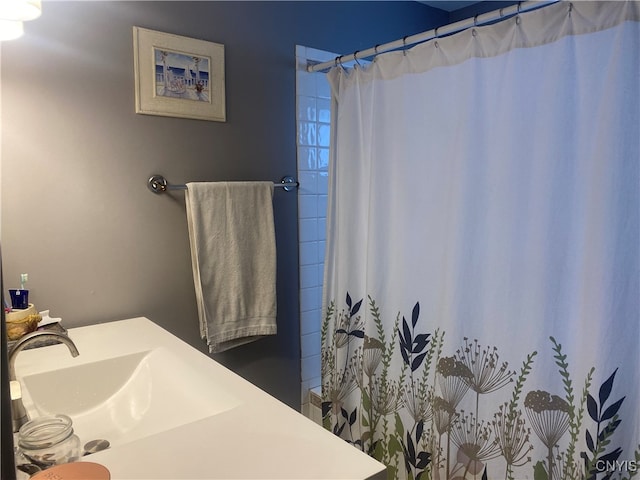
(159, 184)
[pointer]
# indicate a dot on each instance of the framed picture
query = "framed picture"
(178, 76)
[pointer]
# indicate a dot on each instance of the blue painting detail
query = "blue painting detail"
(181, 75)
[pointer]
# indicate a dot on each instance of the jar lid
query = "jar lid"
(75, 471)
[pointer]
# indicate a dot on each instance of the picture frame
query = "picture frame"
(178, 76)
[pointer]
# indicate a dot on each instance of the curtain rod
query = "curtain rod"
(448, 29)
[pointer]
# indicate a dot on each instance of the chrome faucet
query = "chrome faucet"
(18, 412)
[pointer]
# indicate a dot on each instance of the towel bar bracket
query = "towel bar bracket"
(288, 183)
(158, 184)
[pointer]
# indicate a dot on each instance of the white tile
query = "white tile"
(323, 132)
(306, 108)
(306, 387)
(308, 230)
(322, 159)
(308, 182)
(307, 206)
(323, 110)
(306, 83)
(308, 253)
(307, 158)
(310, 344)
(322, 86)
(310, 367)
(322, 205)
(309, 321)
(301, 63)
(310, 299)
(313, 109)
(309, 276)
(307, 133)
(322, 228)
(321, 252)
(323, 183)
(320, 55)
(313, 387)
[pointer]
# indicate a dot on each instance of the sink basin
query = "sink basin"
(169, 411)
(126, 398)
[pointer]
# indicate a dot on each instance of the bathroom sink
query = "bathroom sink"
(170, 411)
(126, 398)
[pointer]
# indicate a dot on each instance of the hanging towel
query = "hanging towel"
(233, 255)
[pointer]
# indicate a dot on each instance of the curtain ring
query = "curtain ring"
(404, 45)
(355, 58)
(475, 21)
(519, 4)
(375, 49)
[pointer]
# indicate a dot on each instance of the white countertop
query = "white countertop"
(258, 437)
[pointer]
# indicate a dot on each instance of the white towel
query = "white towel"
(233, 254)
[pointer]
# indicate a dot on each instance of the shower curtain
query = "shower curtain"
(482, 263)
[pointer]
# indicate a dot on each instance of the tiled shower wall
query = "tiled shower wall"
(313, 104)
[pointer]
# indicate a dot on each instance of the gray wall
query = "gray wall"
(76, 212)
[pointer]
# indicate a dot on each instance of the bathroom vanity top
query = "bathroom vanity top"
(171, 412)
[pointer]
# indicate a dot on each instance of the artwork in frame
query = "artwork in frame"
(178, 76)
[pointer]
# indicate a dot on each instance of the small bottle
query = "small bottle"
(48, 441)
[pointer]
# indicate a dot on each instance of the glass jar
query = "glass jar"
(48, 441)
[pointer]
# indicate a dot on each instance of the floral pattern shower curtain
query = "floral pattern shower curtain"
(483, 270)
